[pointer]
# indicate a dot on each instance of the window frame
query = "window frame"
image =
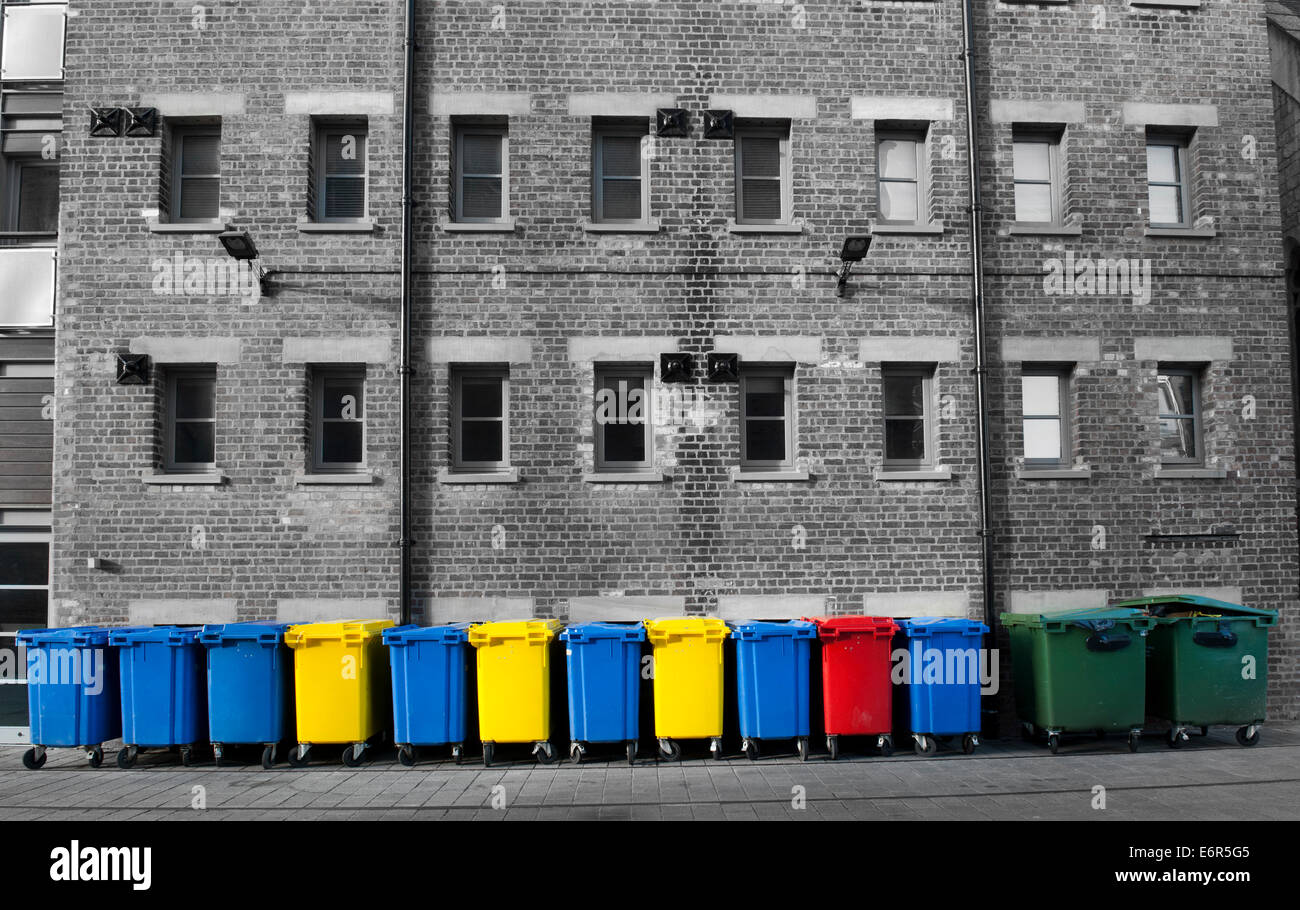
(927, 375)
(1055, 174)
(458, 373)
(179, 133)
(501, 130)
(1196, 374)
(786, 375)
(764, 131)
(324, 129)
(173, 375)
(602, 373)
(1182, 160)
(599, 132)
(14, 165)
(319, 376)
(1062, 375)
(921, 137)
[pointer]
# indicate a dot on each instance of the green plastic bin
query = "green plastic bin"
(1207, 664)
(1080, 671)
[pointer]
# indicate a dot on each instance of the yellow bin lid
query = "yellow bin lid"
(708, 627)
(532, 630)
(349, 630)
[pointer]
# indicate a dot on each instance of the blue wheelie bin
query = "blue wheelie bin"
(940, 693)
(164, 698)
(250, 687)
(773, 682)
(604, 666)
(430, 667)
(72, 692)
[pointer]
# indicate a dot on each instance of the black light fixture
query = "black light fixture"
(140, 121)
(723, 367)
(719, 125)
(105, 121)
(132, 369)
(853, 251)
(672, 121)
(675, 367)
(240, 247)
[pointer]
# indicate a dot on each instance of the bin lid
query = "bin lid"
(830, 627)
(271, 633)
(71, 635)
(925, 626)
(167, 635)
(1160, 605)
(537, 630)
(452, 633)
(710, 627)
(346, 630)
(754, 630)
(1055, 621)
(589, 631)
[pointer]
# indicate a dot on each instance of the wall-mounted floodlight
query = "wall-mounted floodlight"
(854, 250)
(240, 247)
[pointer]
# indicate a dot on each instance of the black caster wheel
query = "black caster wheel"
(1054, 742)
(458, 753)
(218, 755)
(1176, 739)
(968, 743)
(268, 757)
(801, 746)
(631, 752)
(126, 757)
(354, 755)
(545, 753)
(187, 756)
(750, 748)
(669, 750)
(32, 762)
(298, 758)
(1246, 736)
(715, 748)
(1205, 731)
(833, 746)
(887, 746)
(488, 750)
(96, 757)
(406, 755)
(575, 753)
(1133, 741)
(926, 745)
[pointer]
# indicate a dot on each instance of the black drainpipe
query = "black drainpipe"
(977, 317)
(404, 371)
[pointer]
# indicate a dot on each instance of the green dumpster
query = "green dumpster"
(1207, 664)
(1080, 671)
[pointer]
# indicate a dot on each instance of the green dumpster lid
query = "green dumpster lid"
(1191, 601)
(1089, 614)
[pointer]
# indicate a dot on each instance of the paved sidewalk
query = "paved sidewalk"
(1208, 779)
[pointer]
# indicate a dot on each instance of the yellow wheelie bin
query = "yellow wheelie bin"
(688, 683)
(342, 685)
(514, 684)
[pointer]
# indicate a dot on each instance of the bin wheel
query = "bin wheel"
(969, 742)
(1205, 731)
(458, 753)
(886, 745)
(545, 752)
(95, 756)
(1246, 736)
(801, 746)
(218, 754)
(669, 750)
(32, 761)
(715, 748)
(298, 756)
(1054, 742)
(1133, 740)
(926, 745)
(1176, 738)
(750, 748)
(631, 751)
(833, 746)
(126, 757)
(187, 755)
(575, 753)
(268, 756)
(488, 749)
(354, 754)
(406, 755)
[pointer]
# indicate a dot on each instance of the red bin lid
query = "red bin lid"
(837, 626)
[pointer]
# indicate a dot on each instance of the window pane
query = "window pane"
(621, 156)
(762, 200)
(341, 442)
(481, 197)
(898, 158)
(345, 197)
(195, 398)
(624, 442)
(760, 156)
(1032, 161)
(765, 440)
(13, 699)
(1177, 438)
(1041, 395)
(200, 155)
(33, 42)
(1043, 439)
(194, 443)
(480, 154)
(622, 199)
(765, 397)
(336, 395)
(898, 201)
(480, 440)
(1033, 202)
(199, 197)
(24, 563)
(14, 658)
(38, 198)
(1162, 164)
(1166, 205)
(904, 396)
(905, 440)
(345, 153)
(480, 397)
(1177, 394)
(23, 609)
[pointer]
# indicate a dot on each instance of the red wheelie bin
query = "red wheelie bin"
(856, 696)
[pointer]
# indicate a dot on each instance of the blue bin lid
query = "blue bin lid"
(266, 632)
(71, 635)
(168, 635)
(925, 626)
(588, 631)
(452, 633)
(753, 630)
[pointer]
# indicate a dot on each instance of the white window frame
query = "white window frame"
(786, 375)
(1197, 375)
(1054, 182)
(179, 133)
(1062, 376)
(603, 374)
(756, 131)
(926, 373)
(325, 129)
(318, 420)
(1182, 160)
(459, 372)
(460, 129)
(172, 376)
(922, 139)
(601, 131)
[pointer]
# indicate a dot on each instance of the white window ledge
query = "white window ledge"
(624, 477)
(339, 479)
(793, 227)
(337, 227)
(649, 226)
(1176, 4)
(480, 227)
(510, 475)
(1029, 229)
(780, 476)
(1183, 233)
(187, 227)
(1079, 472)
(930, 227)
(1174, 472)
(926, 475)
(212, 479)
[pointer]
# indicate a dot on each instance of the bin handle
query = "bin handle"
(1220, 637)
(1104, 638)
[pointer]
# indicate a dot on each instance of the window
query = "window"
(1043, 393)
(762, 174)
(1180, 415)
(620, 182)
(901, 178)
(480, 401)
(339, 191)
(481, 172)
(1167, 188)
(766, 418)
(338, 421)
(30, 127)
(909, 415)
(1037, 176)
(195, 184)
(190, 421)
(31, 48)
(624, 439)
